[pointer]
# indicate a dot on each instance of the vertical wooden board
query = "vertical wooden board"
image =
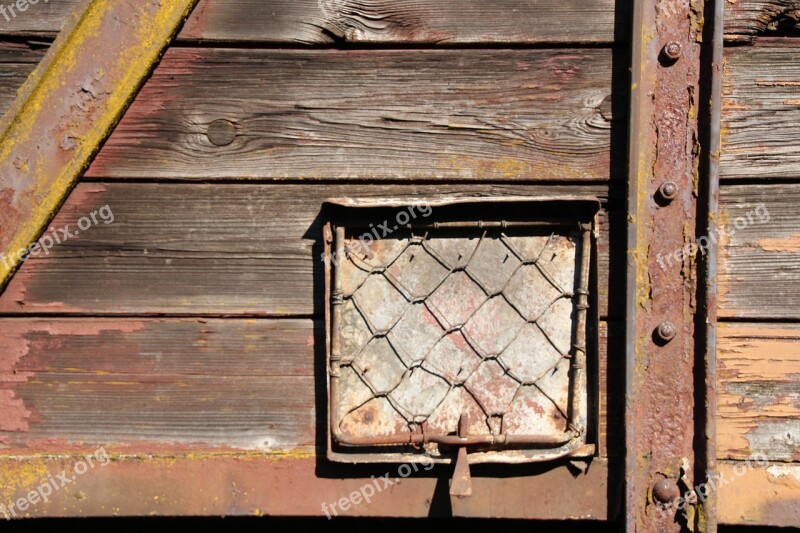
(759, 391)
(387, 21)
(149, 385)
(366, 115)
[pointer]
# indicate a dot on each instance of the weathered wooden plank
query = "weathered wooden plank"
(761, 113)
(756, 493)
(242, 485)
(361, 115)
(417, 21)
(225, 485)
(745, 20)
(145, 385)
(156, 384)
(230, 384)
(17, 61)
(759, 272)
(211, 249)
(387, 21)
(759, 391)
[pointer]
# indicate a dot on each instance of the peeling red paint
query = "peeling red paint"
(14, 414)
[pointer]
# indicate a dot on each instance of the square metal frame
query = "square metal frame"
(575, 441)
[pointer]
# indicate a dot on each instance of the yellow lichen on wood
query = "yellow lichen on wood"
(37, 171)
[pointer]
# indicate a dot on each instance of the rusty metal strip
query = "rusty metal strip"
(667, 410)
(69, 106)
(711, 192)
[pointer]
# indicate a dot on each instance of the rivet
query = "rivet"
(668, 190)
(221, 132)
(672, 51)
(666, 492)
(666, 331)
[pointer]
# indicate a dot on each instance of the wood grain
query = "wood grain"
(745, 20)
(213, 249)
(759, 270)
(154, 384)
(366, 115)
(761, 113)
(173, 384)
(241, 384)
(377, 21)
(418, 21)
(17, 61)
(759, 391)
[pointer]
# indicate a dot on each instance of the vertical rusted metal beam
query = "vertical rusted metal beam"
(710, 191)
(69, 106)
(667, 427)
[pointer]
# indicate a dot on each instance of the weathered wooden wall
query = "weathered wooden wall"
(191, 325)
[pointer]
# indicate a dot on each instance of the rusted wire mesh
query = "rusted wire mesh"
(445, 323)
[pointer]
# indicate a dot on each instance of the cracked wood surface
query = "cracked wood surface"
(418, 21)
(376, 21)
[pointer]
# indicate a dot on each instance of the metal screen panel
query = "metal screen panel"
(481, 324)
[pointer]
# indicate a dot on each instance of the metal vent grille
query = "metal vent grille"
(461, 333)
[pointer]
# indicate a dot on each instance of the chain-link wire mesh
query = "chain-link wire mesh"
(438, 324)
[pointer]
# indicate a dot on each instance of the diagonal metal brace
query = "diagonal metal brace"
(69, 106)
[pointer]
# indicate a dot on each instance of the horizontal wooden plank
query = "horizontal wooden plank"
(213, 249)
(759, 272)
(747, 19)
(250, 249)
(759, 391)
(149, 385)
(376, 21)
(299, 486)
(17, 61)
(156, 384)
(146, 385)
(756, 493)
(417, 21)
(761, 113)
(364, 115)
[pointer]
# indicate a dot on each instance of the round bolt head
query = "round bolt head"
(666, 491)
(668, 190)
(666, 331)
(672, 50)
